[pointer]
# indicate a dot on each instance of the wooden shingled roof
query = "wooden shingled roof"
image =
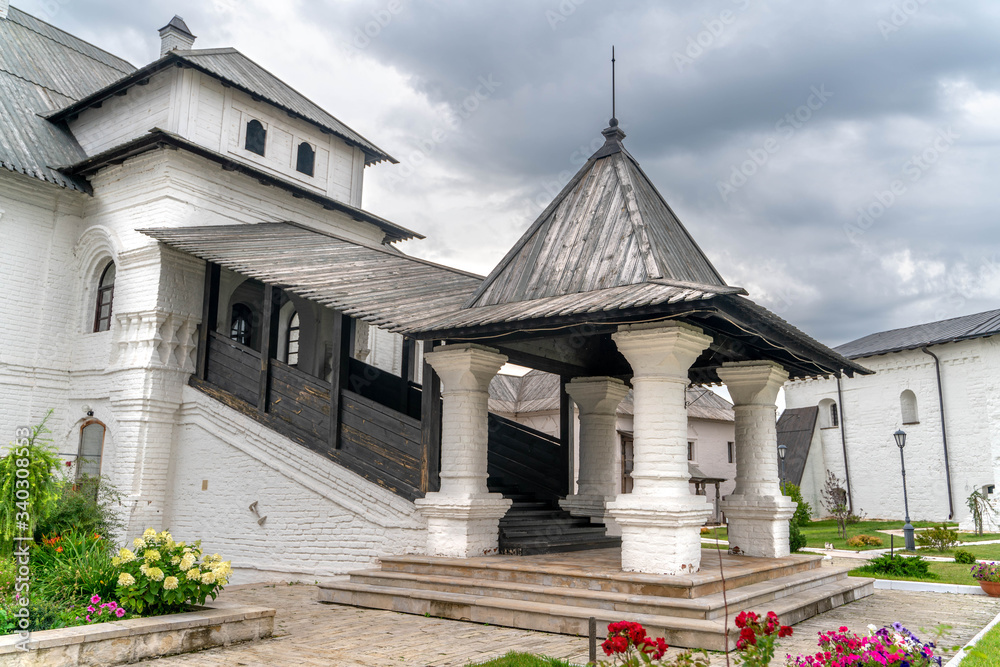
(608, 228)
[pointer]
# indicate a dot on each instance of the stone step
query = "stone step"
(534, 522)
(551, 531)
(749, 571)
(707, 607)
(573, 619)
(537, 547)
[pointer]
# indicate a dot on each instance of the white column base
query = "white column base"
(462, 526)
(758, 525)
(661, 535)
(594, 507)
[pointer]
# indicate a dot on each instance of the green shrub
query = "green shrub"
(31, 464)
(902, 566)
(864, 541)
(803, 512)
(940, 538)
(73, 567)
(162, 576)
(796, 540)
(964, 557)
(90, 505)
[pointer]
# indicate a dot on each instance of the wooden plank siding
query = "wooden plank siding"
(523, 456)
(233, 367)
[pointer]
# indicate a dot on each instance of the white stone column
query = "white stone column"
(660, 520)
(597, 399)
(463, 517)
(756, 511)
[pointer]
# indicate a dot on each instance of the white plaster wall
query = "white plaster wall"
(814, 474)
(872, 414)
(711, 454)
(322, 519)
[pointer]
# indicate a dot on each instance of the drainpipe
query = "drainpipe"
(944, 432)
(843, 443)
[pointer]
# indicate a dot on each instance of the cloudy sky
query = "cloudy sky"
(837, 158)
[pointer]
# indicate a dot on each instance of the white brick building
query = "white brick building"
(940, 383)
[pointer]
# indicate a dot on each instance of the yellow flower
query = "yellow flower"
(126, 556)
(175, 560)
(194, 574)
(208, 578)
(187, 562)
(116, 561)
(139, 543)
(223, 569)
(155, 573)
(170, 583)
(125, 579)
(149, 533)
(151, 555)
(144, 568)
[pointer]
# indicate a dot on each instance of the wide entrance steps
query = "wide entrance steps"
(560, 592)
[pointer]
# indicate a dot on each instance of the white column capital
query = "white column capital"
(597, 395)
(661, 349)
(465, 367)
(753, 382)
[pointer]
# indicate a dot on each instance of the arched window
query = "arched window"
(241, 324)
(105, 295)
(256, 137)
(292, 350)
(908, 406)
(306, 159)
(88, 460)
(829, 417)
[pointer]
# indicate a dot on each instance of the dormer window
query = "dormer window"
(105, 295)
(306, 160)
(256, 137)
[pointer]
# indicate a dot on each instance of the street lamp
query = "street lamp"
(900, 437)
(782, 450)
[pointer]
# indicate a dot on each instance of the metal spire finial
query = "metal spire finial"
(614, 120)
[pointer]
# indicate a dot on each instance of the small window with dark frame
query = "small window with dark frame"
(305, 161)
(690, 451)
(105, 297)
(241, 324)
(292, 350)
(256, 137)
(88, 462)
(731, 451)
(834, 415)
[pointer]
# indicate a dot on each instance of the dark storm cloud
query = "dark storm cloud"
(705, 93)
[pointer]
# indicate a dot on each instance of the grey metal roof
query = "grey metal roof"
(932, 333)
(235, 69)
(539, 392)
(608, 228)
(795, 431)
(178, 23)
(378, 285)
(42, 69)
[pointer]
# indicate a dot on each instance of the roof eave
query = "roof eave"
(157, 138)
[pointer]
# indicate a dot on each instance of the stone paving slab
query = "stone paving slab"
(313, 634)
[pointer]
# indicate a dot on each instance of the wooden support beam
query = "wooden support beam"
(430, 426)
(565, 436)
(268, 343)
(343, 343)
(209, 315)
(409, 365)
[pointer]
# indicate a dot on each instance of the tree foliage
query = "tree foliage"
(29, 482)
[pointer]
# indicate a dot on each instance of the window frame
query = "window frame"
(99, 298)
(294, 325)
(312, 159)
(911, 416)
(79, 447)
(248, 333)
(246, 137)
(691, 451)
(731, 451)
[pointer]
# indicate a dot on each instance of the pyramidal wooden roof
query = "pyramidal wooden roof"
(609, 227)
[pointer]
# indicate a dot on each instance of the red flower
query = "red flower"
(747, 636)
(69, 463)
(785, 631)
(745, 618)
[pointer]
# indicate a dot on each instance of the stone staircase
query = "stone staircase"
(560, 592)
(536, 526)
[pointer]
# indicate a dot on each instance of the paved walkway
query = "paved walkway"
(312, 634)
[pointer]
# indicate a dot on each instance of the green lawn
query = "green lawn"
(818, 533)
(972, 537)
(513, 659)
(945, 573)
(981, 552)
(984, 653)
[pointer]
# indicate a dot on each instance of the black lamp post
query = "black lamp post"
(900, 437)
(782, 450)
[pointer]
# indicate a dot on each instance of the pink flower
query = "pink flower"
(95, 599)
(91, 609)
(119, 612)
(112, 605)
(88, 618)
